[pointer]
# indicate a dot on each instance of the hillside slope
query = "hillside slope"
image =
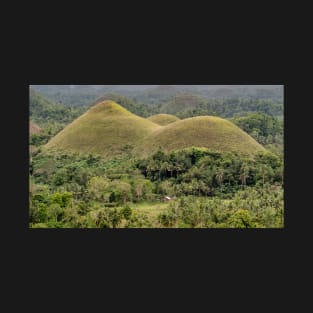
(106, 129)
(204, 131)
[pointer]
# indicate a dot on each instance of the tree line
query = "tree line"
(87, 191)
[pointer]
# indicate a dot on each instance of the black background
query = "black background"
(210, 268)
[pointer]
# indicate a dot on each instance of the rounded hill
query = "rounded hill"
(203, 131)
(106, 129)
(163, 119)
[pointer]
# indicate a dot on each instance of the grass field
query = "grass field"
(152, 209)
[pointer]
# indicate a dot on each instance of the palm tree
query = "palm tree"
(202, 188)
(149, 170)
(263, 173)
(170, 168)
(165, 168)
(244, 174)
(220, 176)
(153, 167)
(178, 168)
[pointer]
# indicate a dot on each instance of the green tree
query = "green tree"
(244, 174)
(220, 176)
(264, 172)
(122, 190)
(55, 212)
(126, 212)
(138, 188)
(241, 219)
(63, 199)
(98, 188)
(167, 188)
(114, 217)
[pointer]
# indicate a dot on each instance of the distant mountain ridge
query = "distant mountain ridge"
(76, 95)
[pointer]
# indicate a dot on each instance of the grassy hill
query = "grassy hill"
(204, 131)
(163, 119)
(110, 130)
(106, 129)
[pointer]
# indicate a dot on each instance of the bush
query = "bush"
(241, 219)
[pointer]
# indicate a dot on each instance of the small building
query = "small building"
(167, 198)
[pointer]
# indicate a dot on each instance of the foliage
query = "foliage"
(46, 113)
(253, 208)
(204, 172)
(265, 129)
(208, 190)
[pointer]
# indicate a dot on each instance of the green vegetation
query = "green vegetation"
(230, 107)
(250, 208)
(209, 189)
(44, 112)
(163, 119)
(265, 129)
(181, 100)
(68, 96)
(48, 117)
